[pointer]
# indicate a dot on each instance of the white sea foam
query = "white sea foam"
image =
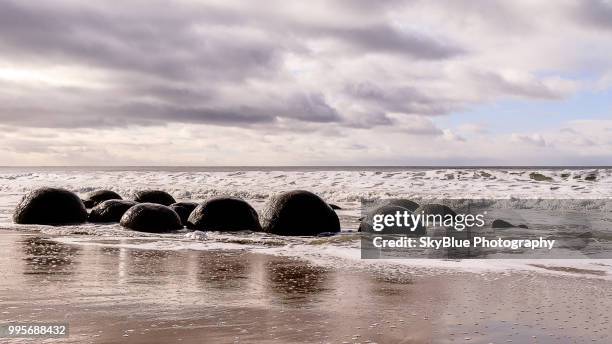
(343, 187)
(333, 185)
(348, 256)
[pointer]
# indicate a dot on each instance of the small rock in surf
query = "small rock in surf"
(539, 177)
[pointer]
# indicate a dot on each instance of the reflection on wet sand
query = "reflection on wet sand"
(294, 280)
(223, 270)
(43, 256)
(118, 294)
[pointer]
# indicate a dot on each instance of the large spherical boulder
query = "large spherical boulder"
(110, 210)
(154, 196)
(405, 203)
(94, 198)
(224, 214)
(184, 209)
(374, 219)
(50, 206)
(299, 213)
(151, 217)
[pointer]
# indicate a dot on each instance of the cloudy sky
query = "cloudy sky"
(347, 82)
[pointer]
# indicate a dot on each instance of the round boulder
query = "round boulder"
(151, 217)
(184, 209)
(50, 206)
(224, 214)
(110, 210)
(154, 196)
(94, 198)
(299, 213)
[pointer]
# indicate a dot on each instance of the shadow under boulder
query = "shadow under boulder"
(224, 214)
(110, 210)
(151, 217)
(50, 206)
(299, 213)
(94, 198)
(184, 209)
(154, 196)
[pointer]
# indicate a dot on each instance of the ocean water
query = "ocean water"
(344, 186)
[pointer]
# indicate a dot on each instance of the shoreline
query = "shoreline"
(188, 296)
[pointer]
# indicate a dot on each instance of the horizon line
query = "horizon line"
(307, 166)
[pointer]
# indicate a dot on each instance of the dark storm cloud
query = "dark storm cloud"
(175, 57)
(306, 107)
(86, 108)
(208, 63)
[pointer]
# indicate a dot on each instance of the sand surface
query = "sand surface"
(121, 295)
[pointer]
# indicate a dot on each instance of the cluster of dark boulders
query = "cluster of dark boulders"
(292, 213)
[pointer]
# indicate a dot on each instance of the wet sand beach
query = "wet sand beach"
(121, 295)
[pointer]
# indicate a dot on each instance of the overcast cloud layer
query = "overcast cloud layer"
(308, 82)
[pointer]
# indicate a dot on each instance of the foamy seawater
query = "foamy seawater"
(344, 187)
